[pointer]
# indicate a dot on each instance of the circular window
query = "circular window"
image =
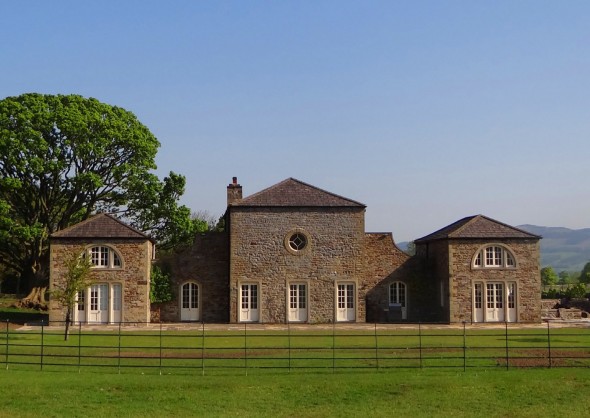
(297, 241)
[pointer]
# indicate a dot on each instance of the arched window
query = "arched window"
(397, 293)
(102, 256)
(494, 256)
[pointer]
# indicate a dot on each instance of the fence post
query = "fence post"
(79, 344)
(506, 336)
(549, 343)
(42, 341)
(119, 350)
(376, 348)
(333, 346)
(464, 348)
(289, 343)
(245, 347)
(160, 348)
(6, 352)
(203, 348)
(420, 342)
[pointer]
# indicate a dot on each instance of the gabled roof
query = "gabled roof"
(294, 193)
(101, 226)
(477, 227)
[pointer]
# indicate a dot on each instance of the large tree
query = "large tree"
(65, 157)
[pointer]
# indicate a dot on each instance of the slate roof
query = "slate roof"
(477, 227)
(295, 193)
(101, 226)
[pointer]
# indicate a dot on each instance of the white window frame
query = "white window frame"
(109, 298)
(298, 301)
(501, 295)
(493, 256)
(248, 301)
(104, 257)
(398, 293)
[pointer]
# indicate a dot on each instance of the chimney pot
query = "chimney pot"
(234, 191)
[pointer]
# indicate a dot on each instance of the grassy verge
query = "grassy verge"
(522, 393)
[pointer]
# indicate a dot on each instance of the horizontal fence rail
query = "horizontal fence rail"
(243, 348)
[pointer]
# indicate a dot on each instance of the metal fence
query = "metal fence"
(245, 348)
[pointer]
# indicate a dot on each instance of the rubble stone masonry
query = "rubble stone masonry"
(259, 253)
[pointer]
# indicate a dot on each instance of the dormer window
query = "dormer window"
(494, 256)
(104, 257)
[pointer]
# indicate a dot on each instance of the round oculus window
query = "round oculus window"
(297, 241)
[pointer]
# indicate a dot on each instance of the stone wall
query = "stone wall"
(259, 254)
(385, 263)
(134, 274)
(205, 263)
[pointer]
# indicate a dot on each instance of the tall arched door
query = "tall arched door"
(190, 304)
(398, 298)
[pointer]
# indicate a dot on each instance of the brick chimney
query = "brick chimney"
(234, 191)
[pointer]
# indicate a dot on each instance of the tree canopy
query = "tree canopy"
(548, 276)
(585, 273)
(65, 157)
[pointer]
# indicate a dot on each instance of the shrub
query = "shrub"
(576, 292)
(161, 287)
(552, 293)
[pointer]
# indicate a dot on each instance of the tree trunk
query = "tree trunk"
(67, 330)
(34, 300)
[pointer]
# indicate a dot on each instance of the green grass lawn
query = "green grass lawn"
(349, 373)
(399, 393)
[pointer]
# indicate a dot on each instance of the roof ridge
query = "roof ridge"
(325, 191)
(511, 227)
(77, 224)
(126, 225)
(468, 220)
(260, 198)
(274, 186)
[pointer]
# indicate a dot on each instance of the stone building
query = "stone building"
(121, 258)
(296, 253)
(484, 271)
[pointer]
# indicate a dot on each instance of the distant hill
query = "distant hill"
(561, 248)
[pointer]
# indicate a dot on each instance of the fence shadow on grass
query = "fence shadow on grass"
(197, 348)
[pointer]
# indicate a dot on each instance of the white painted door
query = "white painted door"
(511, 298)
(80, 310)
(117, 300)
(494, 302)
(398, 297)
(297, 303)
(345, 310)
(478, 302)
(249, 303)
(189, 309)
(99, 303)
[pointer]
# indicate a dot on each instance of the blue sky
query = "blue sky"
(426, 111)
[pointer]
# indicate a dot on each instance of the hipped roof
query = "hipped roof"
(103, 226)
(295, 193)
(477, 227)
